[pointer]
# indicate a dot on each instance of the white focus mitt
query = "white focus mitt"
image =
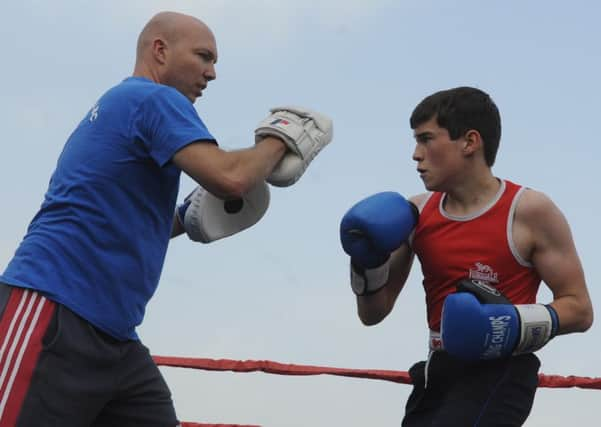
(305, 132)
(207, 218)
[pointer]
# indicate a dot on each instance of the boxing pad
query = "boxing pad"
(304, 132)
(207, 218)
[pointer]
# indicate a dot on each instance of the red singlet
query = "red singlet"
(478, 246)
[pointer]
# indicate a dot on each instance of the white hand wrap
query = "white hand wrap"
(208, 218)
(305, 132)
(536, 327)
(370, 280)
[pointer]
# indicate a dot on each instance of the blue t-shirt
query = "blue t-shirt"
(97, 244)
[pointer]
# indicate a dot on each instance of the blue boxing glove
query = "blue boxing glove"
(479, 323)
(370, 231)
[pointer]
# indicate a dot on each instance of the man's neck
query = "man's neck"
(142, 70)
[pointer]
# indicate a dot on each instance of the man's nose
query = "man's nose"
(210, 74)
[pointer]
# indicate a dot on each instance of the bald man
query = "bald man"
(77, 287)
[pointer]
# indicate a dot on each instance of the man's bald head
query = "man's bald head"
(169, 26)
(177, 50)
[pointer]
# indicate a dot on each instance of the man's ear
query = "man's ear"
(159, 50)
(472, 142)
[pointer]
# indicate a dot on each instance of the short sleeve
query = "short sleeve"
(166, 122)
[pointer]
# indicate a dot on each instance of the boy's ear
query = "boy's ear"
(472, 142)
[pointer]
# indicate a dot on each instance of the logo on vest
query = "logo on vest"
(483, 272)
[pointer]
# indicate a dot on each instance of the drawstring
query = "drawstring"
(426, 366)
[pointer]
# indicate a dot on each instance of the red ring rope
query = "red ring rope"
(270, 367)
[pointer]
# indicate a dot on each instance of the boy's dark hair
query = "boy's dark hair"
(459, 110)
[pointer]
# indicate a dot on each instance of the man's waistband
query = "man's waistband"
(435, 341)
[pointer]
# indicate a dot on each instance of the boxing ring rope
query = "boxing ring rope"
(215, 425)
(270, 367)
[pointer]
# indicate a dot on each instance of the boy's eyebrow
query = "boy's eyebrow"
(422, 134)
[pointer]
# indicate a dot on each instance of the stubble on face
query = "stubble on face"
(192, 59)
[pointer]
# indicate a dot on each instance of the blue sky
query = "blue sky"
(280, 291)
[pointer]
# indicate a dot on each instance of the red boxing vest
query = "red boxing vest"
(478, 246)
